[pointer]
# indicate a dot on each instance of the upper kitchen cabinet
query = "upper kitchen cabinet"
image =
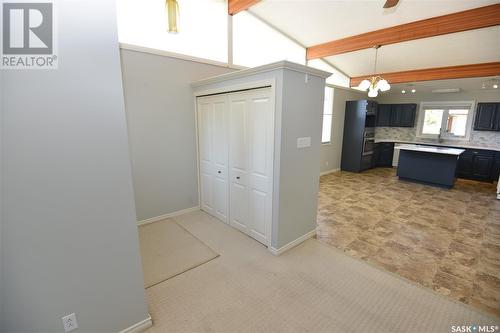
(408, 112)
(487, 117)
(396, 115)
(384, 115)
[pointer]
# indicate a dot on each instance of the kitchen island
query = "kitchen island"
(428, 164)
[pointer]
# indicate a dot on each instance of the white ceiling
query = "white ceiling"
(311, 22)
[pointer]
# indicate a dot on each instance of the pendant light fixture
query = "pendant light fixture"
(172, 11)
(374, 83)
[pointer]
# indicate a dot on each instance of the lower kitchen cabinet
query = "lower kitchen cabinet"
(496, 167)
(477, 164)
(384, 154)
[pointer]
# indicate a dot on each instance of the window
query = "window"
(326, 135)
(432, 121)
(202, 27)
(445, 120)
(255, 43)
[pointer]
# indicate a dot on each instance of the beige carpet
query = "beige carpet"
(311, 288)
(167, 250)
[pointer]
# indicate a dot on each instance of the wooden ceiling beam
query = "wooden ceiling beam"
(440, 73)
(477, 18)
(236, 6)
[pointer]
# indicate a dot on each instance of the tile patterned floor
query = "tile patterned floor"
(447, 240)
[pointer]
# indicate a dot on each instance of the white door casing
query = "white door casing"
(236, 146)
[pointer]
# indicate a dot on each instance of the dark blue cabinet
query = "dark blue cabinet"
(384, 154)
(384, 115)
(477, 164)
(408, 112)
(487, 117)
(396, 115)
(496, 167)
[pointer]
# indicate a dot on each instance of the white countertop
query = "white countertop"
(431, 149)
(465, 146)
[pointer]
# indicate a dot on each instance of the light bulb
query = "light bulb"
(363, 85)
(495, 86)
(372, 93)
(384, 85)
(403, 91)
(413, 91)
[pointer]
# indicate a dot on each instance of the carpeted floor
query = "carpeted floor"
(167, 250)
(311, 288)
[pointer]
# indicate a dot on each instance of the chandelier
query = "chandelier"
(376, 82)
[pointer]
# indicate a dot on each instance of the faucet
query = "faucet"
(439, 139)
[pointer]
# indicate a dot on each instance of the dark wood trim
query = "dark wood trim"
(477, 18)
(440, 73)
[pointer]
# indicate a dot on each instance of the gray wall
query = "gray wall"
(478, 138)
(1, 192)
(161, 123)
(301, 116)
(331, 153)
(69, 232)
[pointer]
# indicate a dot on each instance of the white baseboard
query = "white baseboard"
(166, 216)
(294, 243)
(140, 326)
(329, 171)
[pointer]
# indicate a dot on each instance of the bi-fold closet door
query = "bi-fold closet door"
(236, 138)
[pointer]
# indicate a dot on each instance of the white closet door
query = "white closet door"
(213, 151)
(250, 162)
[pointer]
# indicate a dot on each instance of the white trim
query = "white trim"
(163, 53)
(140, 326)
(236, 87)
(329, 171)
(292, 244)
(166, 216)
(284, 64)
(446, 106)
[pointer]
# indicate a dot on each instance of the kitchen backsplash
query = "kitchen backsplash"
(484, 139)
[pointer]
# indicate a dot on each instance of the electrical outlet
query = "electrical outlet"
(69, 323)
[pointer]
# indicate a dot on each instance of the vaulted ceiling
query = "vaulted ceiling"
(315, 22)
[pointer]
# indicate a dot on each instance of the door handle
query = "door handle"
(219, 171)
(238, 177)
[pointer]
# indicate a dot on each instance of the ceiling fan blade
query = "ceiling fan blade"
(391, 3)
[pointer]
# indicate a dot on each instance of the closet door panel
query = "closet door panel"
(261, 133)
(205, 123)
(220, 159)
(258, 202)
(238, 161)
